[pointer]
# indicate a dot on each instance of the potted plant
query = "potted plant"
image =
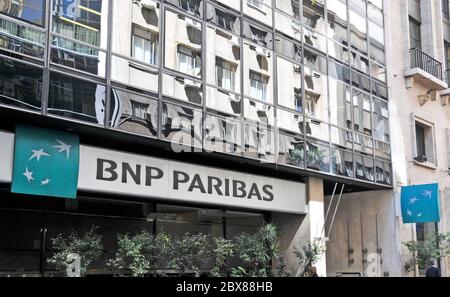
(189, 253)
(74, 253)
(424, 253)
(140, 254)
(256, 252)
(311, 253)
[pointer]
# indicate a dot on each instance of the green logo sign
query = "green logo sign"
(45, 162)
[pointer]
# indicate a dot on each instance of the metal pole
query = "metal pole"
(329, 208)
(335, 210)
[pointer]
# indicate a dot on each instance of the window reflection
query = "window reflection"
(291, 150)
(260, 142)
(133, 113)
(183, 44)
(79, 30)
(289, 84)
(183, 88)
(314, 16)
(290, 121)
(361, 112)
(222, 134)
(259, 112)
(364, 168)
(337, 21)
(21, 38)
(223, 101)
(20, 84)
(182, 125)
(223, 56)
(223, 19)
(342, 162)
(32, 11)
(340, 104)
(317, 157)
(76, 98)
(380, 120)
(258, 69)
(316, 94)
(134, 74)
(358, 32)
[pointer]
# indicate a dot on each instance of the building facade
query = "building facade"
(417, 56)
(287, 94)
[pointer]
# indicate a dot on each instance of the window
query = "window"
(447, 59)
(415, 40)
(258, 36)
(32, 11)
(256, 3)
(258, 86)
(310, 104)
(189, 61)
(145, 46)
(225, 72)
(424, 142)
(20, 84)
(191, 6)
(76, 98)
(445, 9)
(225, 20)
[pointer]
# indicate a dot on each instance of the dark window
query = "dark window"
(76, 98)
(20, 84)
(192, 6)
(420, 140)
(445, 9)
(225, 20)
(415, 40)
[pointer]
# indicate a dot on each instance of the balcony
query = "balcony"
(425, 70)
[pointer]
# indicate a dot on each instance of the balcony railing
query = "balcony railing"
(425, 62)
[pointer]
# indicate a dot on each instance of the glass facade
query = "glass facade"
(300, 84)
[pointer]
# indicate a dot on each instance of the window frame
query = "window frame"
(431, 159)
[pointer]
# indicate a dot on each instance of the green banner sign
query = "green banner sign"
(46, 162)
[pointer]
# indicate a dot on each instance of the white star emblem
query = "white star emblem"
(38, 154)
(63, 147)
(427, 194)
(419, 215)
(413, 200)
(45, 182)
(28, 174)
(409, 213)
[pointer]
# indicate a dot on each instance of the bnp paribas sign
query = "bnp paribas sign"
(53, 163)
(46, 162)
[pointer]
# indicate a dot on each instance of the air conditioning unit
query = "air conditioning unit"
(296, 25)
(145, 4)
(234, 98)
(191, 83)
(193, 23)
(234, 41)
(260, 51)
(310, 34)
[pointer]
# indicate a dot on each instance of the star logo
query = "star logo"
(37, 154)
(427, 194)
(45, 182)
(419, 215)
(63, 147)
(28, 174)
(413, 200)
(46, 162)
(409, 213)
